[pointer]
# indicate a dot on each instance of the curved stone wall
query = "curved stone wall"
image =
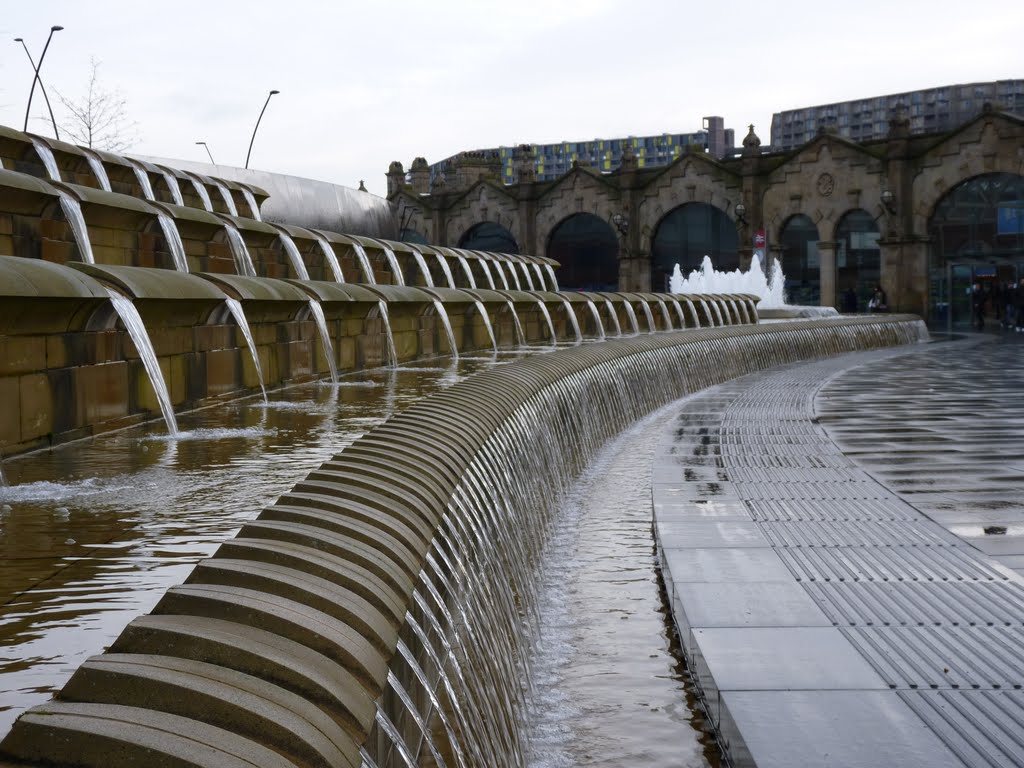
(380, 610)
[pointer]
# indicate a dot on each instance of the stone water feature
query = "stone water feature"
(378, 613)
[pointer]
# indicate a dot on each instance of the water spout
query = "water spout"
(614, 316)
(229, 201)
(597, 319)
(754, 282)
(329, 256)
(392, 353)
(665, 314)
(487, 323)
(254, 210)
(143, 178)
(520, 336)
(325, 337)
(551, 325)
(446, 268)
(172, 184)
(243, 260)
(632, 316)
(466, 269)
(204, 195)
(364, 263)
(298, 265)
(573, 320)
(443, 314)
(174, 243)
(235, 307)
(421, 262)
(48, 160)
(73, 213)
(551, 277)
(96, 165)
(140, 337)
(650, 317)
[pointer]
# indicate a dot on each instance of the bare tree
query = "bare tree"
(100, 119)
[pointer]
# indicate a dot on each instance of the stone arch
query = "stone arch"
(587, 249)
(578, 192)
(484, 202)
(488, 236)
(688, 233)
(858, 257)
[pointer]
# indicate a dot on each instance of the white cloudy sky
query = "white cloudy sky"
(365, 83)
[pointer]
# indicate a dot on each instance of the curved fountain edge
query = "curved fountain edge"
(276, 648)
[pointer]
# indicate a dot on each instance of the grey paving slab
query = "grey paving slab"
(680, 511)
(721, 564)
(702, 534)
(838, 729)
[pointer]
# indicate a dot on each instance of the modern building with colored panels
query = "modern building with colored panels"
(605, 155)
(929, 111)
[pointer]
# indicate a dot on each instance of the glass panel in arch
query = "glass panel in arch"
(858, 260)
(489, 236)
(800, 261)
(587, 250)
(686, 235)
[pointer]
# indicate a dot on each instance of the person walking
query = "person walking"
(878, 302)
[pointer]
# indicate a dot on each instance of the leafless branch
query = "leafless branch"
(99, 120)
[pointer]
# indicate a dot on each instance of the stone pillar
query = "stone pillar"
(419, 176)
(904, 268)
(396, 178)
(827, 273)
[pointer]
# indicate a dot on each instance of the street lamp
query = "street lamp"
(41, 87)
(35, 77)
(207, 151)
(247, 154)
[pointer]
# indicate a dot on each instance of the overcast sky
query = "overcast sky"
(366, 83)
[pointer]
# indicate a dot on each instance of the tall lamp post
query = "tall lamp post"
(41, 86)
(35, 77)
(247, 154)
(207, 151)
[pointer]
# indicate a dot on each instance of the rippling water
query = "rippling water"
(610, 686)
(93, 533)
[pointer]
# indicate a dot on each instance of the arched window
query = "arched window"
(488, 236)
(858, 258)
(799, 240)
(686, 235)
(587, 249)
(977, 239)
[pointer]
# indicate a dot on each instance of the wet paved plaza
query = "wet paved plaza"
(843, 544)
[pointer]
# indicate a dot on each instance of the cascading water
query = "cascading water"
(466, 269)
(396, 268)
(172, 184)
(649, 315)
(665, 314)
(520, 336)
(364, 263)
(204, 195)
(693, 312)
(632, 317)
(446, 268)
(597, 319)
(243, 260)
(679, 313)
(551, 325)
(446, 322)
(392, 353)
(48, 160)
(173, 238)
(485, 266)
(298, 265)
(73, 213)
(709, 280)
(329, 256)
(96, 165)
(498, 264)
(526, 273)
(614, 316)
(229, 202)
(551, 277)
(254, 210)
(421, 262)
(573, 320)
(511, 267)
(140, 337)
(719, 319)
(487, 323)
(143, 178)
(235, 307)
(540, 275)
(325, 337)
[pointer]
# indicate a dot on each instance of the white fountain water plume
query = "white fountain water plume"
(709, 280)
(235, 307)
(140, 337)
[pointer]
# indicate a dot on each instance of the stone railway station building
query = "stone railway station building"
(926, 216)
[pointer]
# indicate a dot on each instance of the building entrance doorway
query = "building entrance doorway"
(966, 280)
